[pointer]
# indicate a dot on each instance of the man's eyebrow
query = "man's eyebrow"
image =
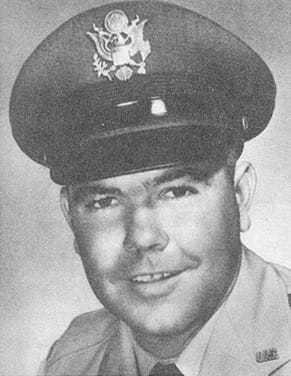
(199, 173)
(79, 192)
(196, 173)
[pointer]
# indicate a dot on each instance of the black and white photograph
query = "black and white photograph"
(145, 188)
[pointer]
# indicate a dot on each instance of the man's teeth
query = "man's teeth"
(152, 277)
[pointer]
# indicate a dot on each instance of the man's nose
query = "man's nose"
(144, 232)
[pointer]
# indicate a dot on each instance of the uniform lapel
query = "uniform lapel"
(253, 331)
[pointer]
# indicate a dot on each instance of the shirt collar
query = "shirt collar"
(189, 361)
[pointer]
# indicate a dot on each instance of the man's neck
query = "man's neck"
(167, 347)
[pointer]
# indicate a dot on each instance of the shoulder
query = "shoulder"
(91, 329)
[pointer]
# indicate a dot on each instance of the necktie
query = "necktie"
(165, 370)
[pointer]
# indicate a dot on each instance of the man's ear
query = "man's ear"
(245, 181)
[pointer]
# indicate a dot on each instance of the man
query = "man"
(140, 110)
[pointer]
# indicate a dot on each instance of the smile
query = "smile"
(153, 277)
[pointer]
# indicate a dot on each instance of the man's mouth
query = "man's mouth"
(153, 277)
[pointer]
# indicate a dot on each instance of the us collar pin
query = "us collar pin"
(267, 355)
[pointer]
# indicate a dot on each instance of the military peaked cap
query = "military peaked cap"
(137, 85)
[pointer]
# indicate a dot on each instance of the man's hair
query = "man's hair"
(227, 160)
(233, 156)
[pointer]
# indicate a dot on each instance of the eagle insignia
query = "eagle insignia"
(120, 46)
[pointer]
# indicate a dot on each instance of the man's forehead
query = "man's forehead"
(196, 171)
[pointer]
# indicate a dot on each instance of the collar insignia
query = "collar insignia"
(267, 355)
(120, 47)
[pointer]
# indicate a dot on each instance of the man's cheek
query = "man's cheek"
(176, 218)
(102, 247)
(186, 227)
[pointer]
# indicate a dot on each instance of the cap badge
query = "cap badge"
(120, 47)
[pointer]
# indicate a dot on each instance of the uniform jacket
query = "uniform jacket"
(251, 337)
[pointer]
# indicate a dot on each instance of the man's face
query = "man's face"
(160, 248)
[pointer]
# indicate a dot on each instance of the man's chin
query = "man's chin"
(159, 326)
(161, 318)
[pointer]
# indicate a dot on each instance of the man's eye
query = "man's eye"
(178, 192)
(102, 203)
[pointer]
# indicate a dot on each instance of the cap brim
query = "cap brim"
(145, 150)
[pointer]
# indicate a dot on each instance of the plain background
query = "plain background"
(42, 284)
